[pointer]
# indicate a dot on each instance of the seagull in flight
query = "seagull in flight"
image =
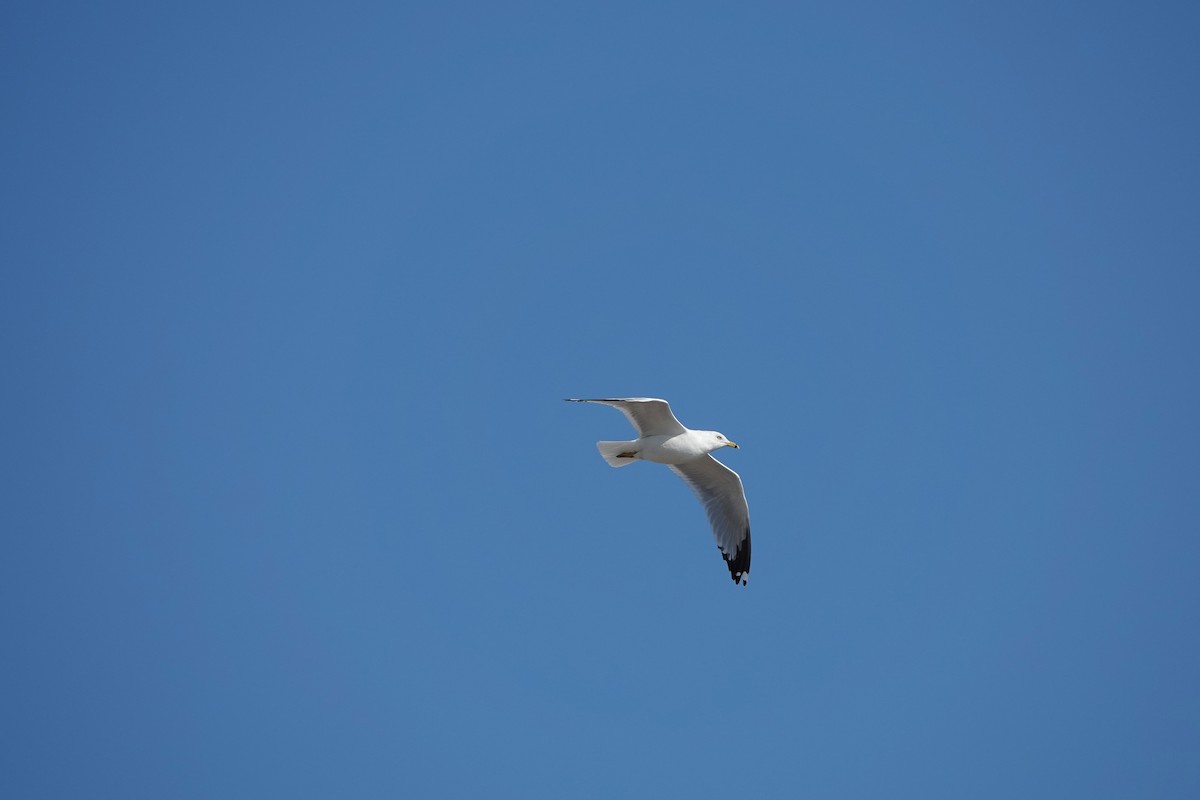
(662, 440)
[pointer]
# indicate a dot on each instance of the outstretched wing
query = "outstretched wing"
(649, 415)
(720, 491)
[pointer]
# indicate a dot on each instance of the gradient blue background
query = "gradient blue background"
(292, 506)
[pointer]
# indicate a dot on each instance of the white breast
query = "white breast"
(678, 449)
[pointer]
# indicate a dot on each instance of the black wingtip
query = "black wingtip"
(739, 562)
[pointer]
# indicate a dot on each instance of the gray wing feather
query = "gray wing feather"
(649, 415)
(720, 492)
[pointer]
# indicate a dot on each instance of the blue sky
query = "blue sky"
(292, 505)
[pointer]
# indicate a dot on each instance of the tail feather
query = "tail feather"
(611, 451)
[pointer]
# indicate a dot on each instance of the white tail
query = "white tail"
(611, 451)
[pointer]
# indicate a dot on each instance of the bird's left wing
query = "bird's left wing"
(649, 415)
(720, 491)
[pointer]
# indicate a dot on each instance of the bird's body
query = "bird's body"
(678, 448)
(663, 440)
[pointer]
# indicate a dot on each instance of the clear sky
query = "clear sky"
(292, 293)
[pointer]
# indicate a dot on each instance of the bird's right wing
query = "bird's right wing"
(649, 415)
(720, 491)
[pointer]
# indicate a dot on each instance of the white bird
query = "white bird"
(663, 440)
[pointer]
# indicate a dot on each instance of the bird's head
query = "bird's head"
(719, 441)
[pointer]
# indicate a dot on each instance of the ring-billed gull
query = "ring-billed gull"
(663, 440)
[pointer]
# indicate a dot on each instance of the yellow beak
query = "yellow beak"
(731, 444)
